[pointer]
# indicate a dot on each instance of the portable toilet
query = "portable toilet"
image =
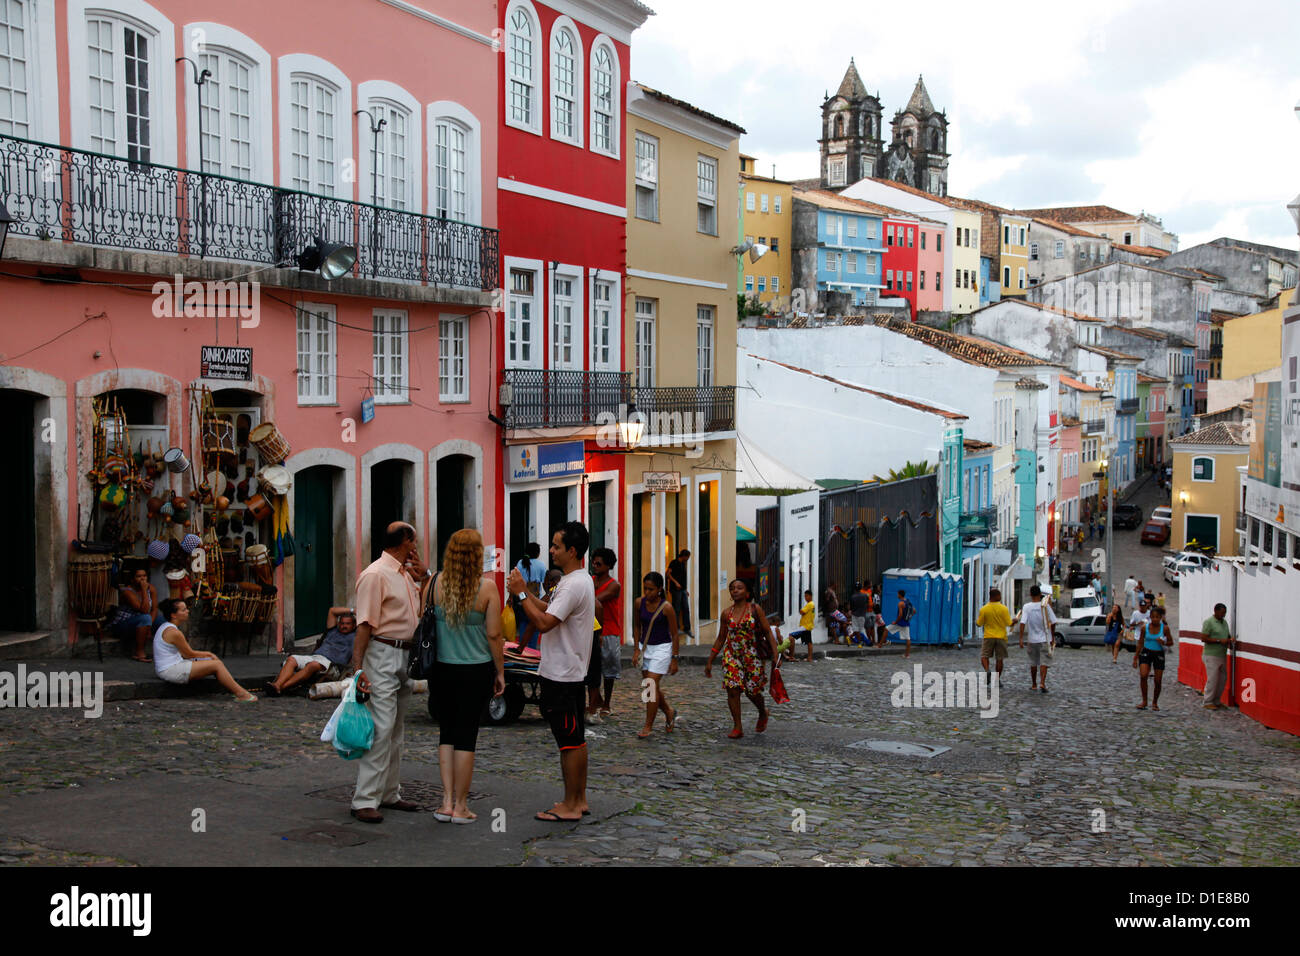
(915, 587)
(955, 596)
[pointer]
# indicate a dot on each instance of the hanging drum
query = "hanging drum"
(218, 441)
(258, 561)
(274, 480)
(270, 444)
(176, 461)
(258, 507)
(90, 585)
(112, 497)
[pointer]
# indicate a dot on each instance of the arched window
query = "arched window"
(605, 90)
(839, 125)
(455, 161)
(390, 155)
(522, 77)
(566, 82)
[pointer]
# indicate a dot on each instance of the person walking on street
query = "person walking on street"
(609, 611)
(807, 617)
(1130, 587)
(387, 616)
(831, 607)
(995, 620)
(1217, 640)
(902, 622)
(677, 590)
(656, 647)
(1114, 626)
(1149, 657)
(471, 665)
(741, 626)
(1039, 621)
(566, 624)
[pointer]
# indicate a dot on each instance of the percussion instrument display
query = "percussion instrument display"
(177, 583)
(218, 440)
(217, 482)
(176, 461)
(90, 585)
(112, 497)
(270, 444)
(258, 507)
(158, 550)
(221, 503)
(116, 468)
(258, 560)
(190, 542)
(275, 480)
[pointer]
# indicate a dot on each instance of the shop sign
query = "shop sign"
(561, 460)
(662, 480)
(225, 362)
(368, 409)
(522, 462)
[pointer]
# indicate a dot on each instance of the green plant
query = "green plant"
(910, 469)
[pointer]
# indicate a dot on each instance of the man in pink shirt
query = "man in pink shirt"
(387, 614)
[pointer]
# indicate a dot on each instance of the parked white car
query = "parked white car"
(1084, 603)
(1164, 515)
(1179, 564)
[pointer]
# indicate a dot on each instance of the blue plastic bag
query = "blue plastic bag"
(354, 733)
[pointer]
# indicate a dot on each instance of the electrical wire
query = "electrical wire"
(89, 318)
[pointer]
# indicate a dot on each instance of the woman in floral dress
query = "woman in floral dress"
(742, 669)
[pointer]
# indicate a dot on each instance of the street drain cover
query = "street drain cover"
(900, 747)
(329, 835)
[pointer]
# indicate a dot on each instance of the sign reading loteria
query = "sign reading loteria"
(662, 480)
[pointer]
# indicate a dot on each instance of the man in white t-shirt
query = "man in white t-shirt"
(1130, 589)
(566, 624)
(1038, 621)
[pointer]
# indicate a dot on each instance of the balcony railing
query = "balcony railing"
(1127, 406)
(560, 398)
(1216, 351)
(1094, 426)
(982, 521)
(75, 195)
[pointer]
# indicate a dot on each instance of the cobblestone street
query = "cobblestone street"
(1021, 787)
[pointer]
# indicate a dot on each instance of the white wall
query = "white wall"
(1045, 334)
(881, 360)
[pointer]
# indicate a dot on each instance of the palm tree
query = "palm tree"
(909, 470)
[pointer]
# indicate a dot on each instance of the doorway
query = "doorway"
(389, 500)
(18, 487)
(558, 512)
(313, 531)
(454, 477)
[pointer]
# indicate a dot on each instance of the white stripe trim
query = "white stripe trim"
(681, 280)
(554, 195)
(454, 27)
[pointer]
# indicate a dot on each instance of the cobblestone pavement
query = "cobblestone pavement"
(1178, 786)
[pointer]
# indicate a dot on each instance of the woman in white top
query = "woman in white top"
(178, 663)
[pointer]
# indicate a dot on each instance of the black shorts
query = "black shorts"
(463, 690)
(1155, 658)
(801, 635)
(593, 665)
(564, 705)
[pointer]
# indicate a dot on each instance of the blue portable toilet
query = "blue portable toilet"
(943, 595)
(955, 593)
(915, 586)
(932, 615)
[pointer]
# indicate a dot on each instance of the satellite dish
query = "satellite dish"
(757, 251)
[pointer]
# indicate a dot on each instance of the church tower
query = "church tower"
(918, 153)
(851, 144)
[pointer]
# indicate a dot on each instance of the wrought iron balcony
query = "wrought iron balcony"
(1216, 350)
(981, 521)
(1127, 406)
(75, 195)
(1094, 426)
(561, 398)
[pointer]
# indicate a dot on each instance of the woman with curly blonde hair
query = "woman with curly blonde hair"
(471, 664)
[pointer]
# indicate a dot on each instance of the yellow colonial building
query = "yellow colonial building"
(766, 216)
(1253, 343)
(683, 215)
(1207, 485)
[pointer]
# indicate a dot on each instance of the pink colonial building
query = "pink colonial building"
(161, 161)
(1067, 496)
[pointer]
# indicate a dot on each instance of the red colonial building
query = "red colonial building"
(561, 189)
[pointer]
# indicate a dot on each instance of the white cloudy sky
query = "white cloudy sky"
(1185, 109)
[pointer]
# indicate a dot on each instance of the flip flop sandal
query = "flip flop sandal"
(550, 816)
(442, 817)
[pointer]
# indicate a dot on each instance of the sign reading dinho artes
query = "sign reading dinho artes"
(228, 362)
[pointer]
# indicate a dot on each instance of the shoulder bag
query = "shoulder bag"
(424, 643)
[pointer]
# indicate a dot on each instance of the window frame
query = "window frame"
(705, 345)
(317, 309)
(703, 199)
(400, 394)
(534, 83)
(641, 182)
(449, 111)
(391, 97)
(603, 42)
(613, 280)
(573, 274)
(302, 66)
(536, 341)
(1213, 467)
(219, 38)
(561, 26)
(453, 322)
(643, 359)
(40, 56)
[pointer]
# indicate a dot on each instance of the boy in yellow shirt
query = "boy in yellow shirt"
(807, 616)
(995, 619)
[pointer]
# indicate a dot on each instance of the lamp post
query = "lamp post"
(201, 77)
(376, 128)
(1109, 518)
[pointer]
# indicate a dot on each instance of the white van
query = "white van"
(1084, 603)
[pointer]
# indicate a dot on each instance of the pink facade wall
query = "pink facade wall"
(1071, 444)
(931, 261)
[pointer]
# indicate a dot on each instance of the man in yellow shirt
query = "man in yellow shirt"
(807, 617)
(995, 619)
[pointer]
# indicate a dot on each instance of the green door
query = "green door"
(1203, 530)
(18, 433)
(596, 513)
(313, 532)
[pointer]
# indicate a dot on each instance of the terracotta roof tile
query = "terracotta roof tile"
(1069, 422)
(967, 348)
(975, 445)
(1111, 353)
(1145, 379)
(829, 200)
(896, 399)
(1063, 227)
(1141, 250)
(1220, 433)
(1078, 386)
(1080, 213)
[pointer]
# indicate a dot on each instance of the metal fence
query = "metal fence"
(563, 398)
(770, 588)
(75, 195)
(868, 529)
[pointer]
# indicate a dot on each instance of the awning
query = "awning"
(744, 534)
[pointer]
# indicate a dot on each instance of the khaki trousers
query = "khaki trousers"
(380, 770)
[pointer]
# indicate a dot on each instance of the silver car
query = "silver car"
(1087, 630)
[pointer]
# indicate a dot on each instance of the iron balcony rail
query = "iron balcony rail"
(1094, 426)
(560, 398)
(1009, 542)
(1216, 351)
(1127, 406)
(75, 195)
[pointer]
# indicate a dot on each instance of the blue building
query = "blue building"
(990, 291)
(838, 246)
(1124, 387)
